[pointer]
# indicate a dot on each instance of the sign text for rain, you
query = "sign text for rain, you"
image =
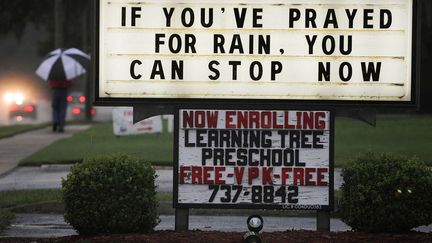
(289, 49)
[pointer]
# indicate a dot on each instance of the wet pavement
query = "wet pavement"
(16, 148)
(53, 225)
(49, 176)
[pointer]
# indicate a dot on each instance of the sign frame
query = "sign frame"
(178, 205)
(171, 102)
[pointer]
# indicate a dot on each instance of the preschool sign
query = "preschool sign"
(253, 159)
(323, 50)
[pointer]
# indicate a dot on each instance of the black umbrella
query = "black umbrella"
(64, 64)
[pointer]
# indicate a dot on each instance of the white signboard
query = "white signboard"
(347, 50)
(254, 158)
(123, 123)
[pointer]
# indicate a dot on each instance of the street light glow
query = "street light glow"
(8, 97)
(19, 98)
(16, 98)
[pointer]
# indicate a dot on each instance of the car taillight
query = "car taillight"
(76, 111)
(28, 109)
(14, 107)
(82, 99)
(69, 98)
(93, 112)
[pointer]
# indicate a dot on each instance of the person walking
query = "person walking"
(59, 90)
(59, 68)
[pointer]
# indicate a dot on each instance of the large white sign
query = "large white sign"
(347, 50)
(254, 158)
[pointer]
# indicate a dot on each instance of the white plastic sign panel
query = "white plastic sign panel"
(123, 123)
(254, 159)
(170, 122)
(329, 50)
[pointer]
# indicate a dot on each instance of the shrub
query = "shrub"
(111, 194)
(386, 193)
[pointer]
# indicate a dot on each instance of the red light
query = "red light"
(93, 112)
(69, 98)
(82, 99)
(28, 109)
(76, 111)
(14, 107)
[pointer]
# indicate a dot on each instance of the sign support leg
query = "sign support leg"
(181, 219)
(323, 221)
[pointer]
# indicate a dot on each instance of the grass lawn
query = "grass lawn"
(404, 135)
(8, 131)
(11, 199)
(100, 140)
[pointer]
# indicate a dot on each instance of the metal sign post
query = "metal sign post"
(181, 219)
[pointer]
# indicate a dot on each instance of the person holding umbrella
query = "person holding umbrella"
(60, 68)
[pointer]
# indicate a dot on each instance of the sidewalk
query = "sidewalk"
(16, 148)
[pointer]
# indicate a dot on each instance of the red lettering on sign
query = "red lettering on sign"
(299, 115)
(254, 119)
(212, 119)
(308, 120)
(298, 176)
(242, 120)
(320, 176)
(238, 172)
(319, 120)
(200, 119)
(229, 119)
(196, 175)
(183, 173)
(202, 175)
(266, 176)
(275, 121)
(218, 175)
(207, 175)
(285, 175)
(287, 123)
(308, 176)
(253, 173)
(269, 120)
(266, 119)
(187, 119)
